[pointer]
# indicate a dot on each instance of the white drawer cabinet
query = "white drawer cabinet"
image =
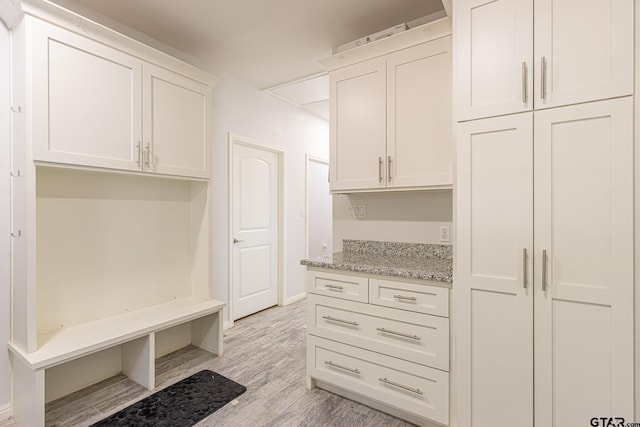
(416, 337)
(384, 340)
(409, 296)
(420, 390)
(354, 288)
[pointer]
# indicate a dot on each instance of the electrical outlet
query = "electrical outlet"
(359, 211)
(444, 233)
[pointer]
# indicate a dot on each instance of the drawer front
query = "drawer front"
(416, 337)
(343, 286)
(410, 296)
(417, 389)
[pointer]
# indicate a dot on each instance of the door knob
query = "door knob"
(237, 241)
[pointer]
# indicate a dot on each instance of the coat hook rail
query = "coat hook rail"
(16, 110)
(18, 234)
(15, 174)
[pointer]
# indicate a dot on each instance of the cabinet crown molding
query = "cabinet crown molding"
(421, 34)
(72, 21)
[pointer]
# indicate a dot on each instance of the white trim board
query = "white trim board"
(5, 411)
(295, 298)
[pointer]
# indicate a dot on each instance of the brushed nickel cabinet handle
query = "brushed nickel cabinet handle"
(544, 270)
(335, 365)
(524, 268)
(543, 78)
(402, 297)
(524, 82)
(404, 387)
(400, 334)
(389, 168)
(335, 319)
(148, 151)
(139, 148)
(333, 287)
(380, 170)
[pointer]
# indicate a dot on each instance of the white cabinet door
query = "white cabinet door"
(419, 122)
(584, 297)
(177, 130)
(86, 101)
(494, 45)
(358, 126)
(493, 285)
(583, 50)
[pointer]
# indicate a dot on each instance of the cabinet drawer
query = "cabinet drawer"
(414, 388)
(338, 285)
(410, 296)
(416, 337)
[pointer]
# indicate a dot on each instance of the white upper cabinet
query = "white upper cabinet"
(97, 106)
(494, 68)
(582, 51)
(391, 124)
(176, 124)
(419, 123)
(86, 101)
(358, 118)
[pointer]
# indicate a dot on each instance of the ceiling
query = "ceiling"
(267, 43)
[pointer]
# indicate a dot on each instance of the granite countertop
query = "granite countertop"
(407, 260)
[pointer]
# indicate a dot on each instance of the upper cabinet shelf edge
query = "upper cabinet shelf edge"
(421, 34)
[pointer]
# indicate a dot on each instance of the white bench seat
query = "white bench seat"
(134, 332)
(76, 341)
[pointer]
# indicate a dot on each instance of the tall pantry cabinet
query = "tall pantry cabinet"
(544, 276)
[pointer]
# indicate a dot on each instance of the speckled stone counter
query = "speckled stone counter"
(407, 260)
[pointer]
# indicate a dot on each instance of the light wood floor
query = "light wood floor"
(265, 352)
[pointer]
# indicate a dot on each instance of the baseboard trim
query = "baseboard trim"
(295, 298)
(226, 325)
(5, 411)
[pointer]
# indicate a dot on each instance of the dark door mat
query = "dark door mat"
(182, 404)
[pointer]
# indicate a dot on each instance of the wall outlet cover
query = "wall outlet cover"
(444, 233)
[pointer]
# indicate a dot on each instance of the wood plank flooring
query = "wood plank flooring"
(265, 352)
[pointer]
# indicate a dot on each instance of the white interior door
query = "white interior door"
(319, 209)
(255, 209)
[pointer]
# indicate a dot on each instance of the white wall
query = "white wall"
(319, 209)
(245, 111)
(412, 216)
(5, 320)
